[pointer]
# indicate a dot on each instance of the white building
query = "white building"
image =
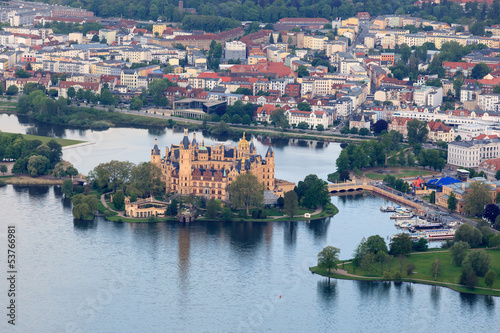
(428, 96)
(470, 154)
(311, 118)
(488, 102)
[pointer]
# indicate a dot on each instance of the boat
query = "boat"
(428, 226)
(431, 235)
(402, 210)
(405, 225)
(402, 215)
(388, 209)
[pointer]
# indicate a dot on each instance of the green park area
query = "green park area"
(449, 276)
(46, 139)
(398, 174)
(470, 262)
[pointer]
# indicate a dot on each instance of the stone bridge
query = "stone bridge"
(353, 186)
(348, 187)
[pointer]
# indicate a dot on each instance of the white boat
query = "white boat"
(402, 215)
(388, 209)
(434, 234)
(402, 210)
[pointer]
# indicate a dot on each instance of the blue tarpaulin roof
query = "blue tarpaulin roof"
(443, 181)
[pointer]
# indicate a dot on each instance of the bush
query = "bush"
(2, 183)
(387, 276)
(397, 276)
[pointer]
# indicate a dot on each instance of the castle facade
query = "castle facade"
(193, 168)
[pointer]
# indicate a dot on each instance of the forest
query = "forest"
(272, 11)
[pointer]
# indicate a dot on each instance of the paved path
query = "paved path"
(317, 211)
(345, 273)
(103, 201)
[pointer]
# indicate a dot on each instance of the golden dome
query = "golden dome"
(243, 144)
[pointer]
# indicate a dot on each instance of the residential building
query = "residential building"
(437, 131)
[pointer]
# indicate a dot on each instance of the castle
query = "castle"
(193, 168)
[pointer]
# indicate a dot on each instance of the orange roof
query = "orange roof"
(436, 126)
(484, 136)
(494, 162)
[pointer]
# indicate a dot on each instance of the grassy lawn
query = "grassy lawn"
(423, 261)
(408, 173)
(45, 139)
(4, 103)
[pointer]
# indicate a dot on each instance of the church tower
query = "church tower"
(269, 169)
(155, 154)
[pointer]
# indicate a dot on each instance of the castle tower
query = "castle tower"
(155, 154)
(269, 166)
(185, 165)
(243, 148)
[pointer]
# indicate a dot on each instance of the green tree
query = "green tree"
(3, 168)
(400, 244)
(172, 208)
(312, 192)
(436, 268)
(278, 118)
(320, 127)
(227, 214)
(478, 260)
(119, 200)
(432, 197)
(302, 125)
(22, 74)
(136, 104)
(477, 196)
(410, 269)
(302, 71)
(12, 90)
(328, 258)
(489, 278)
(468, 233)
(459, 252)
(146, 178)
(480, 70)
(38, 165)
(67, 188)
(364, 131)
(213, 208)
(247, 191)
(469, 278)
(291, 203)
(71, 92)
(417, 131)
(81, 211)
(304, 106)
(376, 244)
(491, 211)
(95, 38)
(244, 91)
(452, 202)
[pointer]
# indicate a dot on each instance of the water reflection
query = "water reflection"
(319, 227)
(327, 290)
(84, 224)
(489, 302)
(246, 235)
(290, 233)
(373, 288)
(33, 191)
(469, 300)
(157, 131)
(435, 296)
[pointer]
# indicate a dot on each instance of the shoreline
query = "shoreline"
(198, 126)
(448, 277)
(455, 287)
(27, 180)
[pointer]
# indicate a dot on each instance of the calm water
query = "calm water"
(210, 277)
